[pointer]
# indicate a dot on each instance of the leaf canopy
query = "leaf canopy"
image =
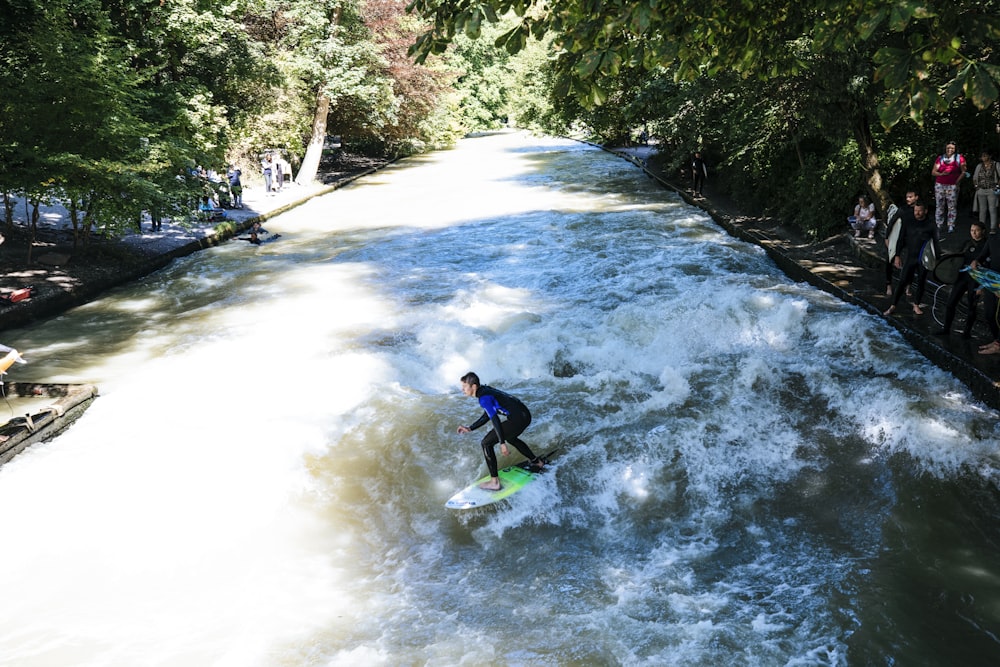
(925, 53)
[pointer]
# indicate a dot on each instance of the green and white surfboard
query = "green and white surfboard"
(512, 479)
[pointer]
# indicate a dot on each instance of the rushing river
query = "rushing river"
(750, 471)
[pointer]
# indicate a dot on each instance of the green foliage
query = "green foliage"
(530, 104)
(108, 104)
(106, 109)
(926, 54)
(822, 193)
(484, 78)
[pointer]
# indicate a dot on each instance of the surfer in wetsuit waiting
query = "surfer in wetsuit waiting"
(917, 231)
(495, 404)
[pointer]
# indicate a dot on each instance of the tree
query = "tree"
(935, 53)
(71, 117)
(418, 91)
(109, 103)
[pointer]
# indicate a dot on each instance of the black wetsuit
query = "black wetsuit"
(989, 258)
(913, 235)
(698, 171)
(889, 268)
(495, 404)
(964, 285)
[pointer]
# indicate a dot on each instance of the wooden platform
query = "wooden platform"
(43, 412)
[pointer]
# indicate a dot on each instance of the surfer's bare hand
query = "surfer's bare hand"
(504, 450)
(463, 429)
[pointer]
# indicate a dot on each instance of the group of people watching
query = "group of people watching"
(948, 170)
(222, 192)
(275, 170)
(916, 248)
(219, 192)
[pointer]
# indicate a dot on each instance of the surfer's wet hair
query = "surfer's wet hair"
(471, 378)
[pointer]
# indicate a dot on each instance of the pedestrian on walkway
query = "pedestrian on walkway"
(267, 168)
(987, 180)
(279, 174)
(699, 173)
(235, 185)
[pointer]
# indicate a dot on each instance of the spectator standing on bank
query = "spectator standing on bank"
(267, 168)
(949, 169)
(699, 173)
(235, 185)
(986, 179)
(279, 174)
(863, 219)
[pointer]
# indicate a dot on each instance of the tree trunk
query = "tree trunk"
(35, 215)
(314, 152)
(8, 212)
(74, 215)
(869, 165)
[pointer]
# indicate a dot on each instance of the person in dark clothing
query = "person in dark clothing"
(965, 285)
(989, 258)
(918, 229)
(495, 404)
(699, 172)
(911, 196)
(235, 186)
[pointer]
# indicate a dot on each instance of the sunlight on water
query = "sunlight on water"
(262, 480)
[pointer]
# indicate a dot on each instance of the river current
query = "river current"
(750, 472)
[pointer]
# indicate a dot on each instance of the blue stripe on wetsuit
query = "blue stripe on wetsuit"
(490, 401)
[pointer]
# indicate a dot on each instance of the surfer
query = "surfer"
(911, 196)
(917, 230)
(256, 232)
(989, 257)
(495, 404)
(965, 284)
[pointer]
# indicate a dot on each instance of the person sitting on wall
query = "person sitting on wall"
(863, 219)
(207, 211)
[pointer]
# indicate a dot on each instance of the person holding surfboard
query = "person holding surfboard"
(495, 404)
(916, 232)
(988, 258)
(893, 225)
(965, 284)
